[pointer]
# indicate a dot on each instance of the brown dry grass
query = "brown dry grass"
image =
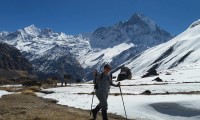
(28, 107)
(20, 89)
(29, 92)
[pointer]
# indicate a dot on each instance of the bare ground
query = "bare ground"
(30, 107)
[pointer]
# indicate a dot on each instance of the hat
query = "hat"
(107, 65)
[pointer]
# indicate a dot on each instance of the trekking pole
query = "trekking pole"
(92, 102)
(123, 101)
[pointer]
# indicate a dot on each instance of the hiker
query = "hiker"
(102, 85)
(66, 79)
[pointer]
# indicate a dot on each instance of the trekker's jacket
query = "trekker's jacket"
(103, 82)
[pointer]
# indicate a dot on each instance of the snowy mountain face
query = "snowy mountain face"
(61, 63)
(179, 52)
(127, 39)
(139, 29)
(48, 51)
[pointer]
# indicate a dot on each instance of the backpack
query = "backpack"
(95, 82)
(124, 74)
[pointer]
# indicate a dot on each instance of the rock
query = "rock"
(150, 73)
(167, 93)
(158, 79)
(47, 92)
(147, 92)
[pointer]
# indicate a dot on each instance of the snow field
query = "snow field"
(138, 106)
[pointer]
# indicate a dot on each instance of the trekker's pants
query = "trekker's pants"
(102, 96)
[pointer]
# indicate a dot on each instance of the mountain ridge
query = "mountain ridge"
(88, 50)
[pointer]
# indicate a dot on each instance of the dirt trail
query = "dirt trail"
(28, 107)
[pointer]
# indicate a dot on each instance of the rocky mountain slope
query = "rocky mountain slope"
(11, 58)
(12, 63)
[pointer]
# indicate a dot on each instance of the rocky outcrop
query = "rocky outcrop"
(12, 59)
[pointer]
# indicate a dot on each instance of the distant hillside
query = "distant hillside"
(12, 59)
(12, 63)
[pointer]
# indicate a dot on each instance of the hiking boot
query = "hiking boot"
(95, 111)
(104, 115)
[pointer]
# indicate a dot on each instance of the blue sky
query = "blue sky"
(81, 16)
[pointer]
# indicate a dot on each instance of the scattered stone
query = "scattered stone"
(47, 92)
(158, 79)
(167, 93)
(147, 92)
(150, 73)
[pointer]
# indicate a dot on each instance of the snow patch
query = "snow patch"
(2, 92)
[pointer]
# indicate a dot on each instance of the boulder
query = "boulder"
(150, 73)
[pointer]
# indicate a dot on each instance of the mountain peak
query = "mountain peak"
(136, 29)
(31, 27)
(138, 17)
(32, 30)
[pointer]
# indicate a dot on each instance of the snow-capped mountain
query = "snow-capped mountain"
(119, 43)
(48, 50)
(139, 29)
(179, 52)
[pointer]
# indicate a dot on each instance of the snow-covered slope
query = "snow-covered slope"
(119, 43)
(105, 55)
(115, 44)
(49, 52)
(181, 51)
